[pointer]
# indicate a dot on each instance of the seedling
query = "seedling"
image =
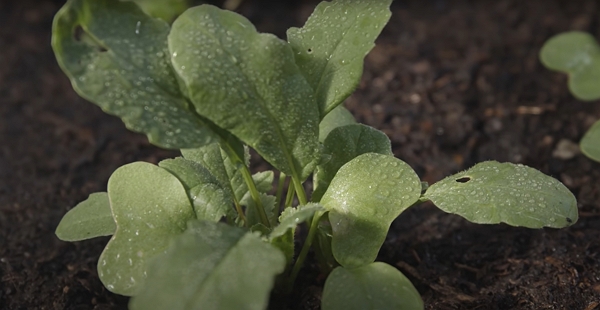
(578, 54)
(202, 231)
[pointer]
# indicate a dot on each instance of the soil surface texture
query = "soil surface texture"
(452, 83)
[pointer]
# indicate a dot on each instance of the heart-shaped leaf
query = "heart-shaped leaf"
(89, 219)
(492, 192)
(371, 287)
(330, 48)
(150, 207)
(590, 143)
(117, 57)
(248, 84)
(212, 266)
(364, 197)
(577, 54)
(344, 144)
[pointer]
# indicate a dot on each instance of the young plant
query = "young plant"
(578, 54)
(202, 231)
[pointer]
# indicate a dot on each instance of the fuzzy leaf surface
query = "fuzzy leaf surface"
(150, 206)
(88, 219)
(577, 54)
(331, 46)
(117, 57)
(376, 286)
(590, 143)
(212, 266)
(248, 84)
(344, 144)
(492, 192)
(364, 197)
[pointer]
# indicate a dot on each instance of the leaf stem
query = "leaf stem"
(260, 209)
(280, 184)
(305, 248)
(300, 193)
(289, 196)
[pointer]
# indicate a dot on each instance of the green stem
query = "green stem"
(260, 209)
(280, 184)
(300, 193)
(305, 248)
(289, 198)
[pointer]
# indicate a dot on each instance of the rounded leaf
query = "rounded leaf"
(89, 219)
(492, 192)
(590, 143)
(377, 286)
(150, 207)
(364, 197)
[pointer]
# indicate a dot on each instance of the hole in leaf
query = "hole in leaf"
(309, 50)
(78, 33)
(463, 180)
(569, 220)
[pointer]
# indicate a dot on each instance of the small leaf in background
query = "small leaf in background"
(150, 206)
(282, 236)
(492, 192)
(376, 286)
(117, 57)
(211, 202)
(331, 46)
(364, 197)
(190, 173)
(344, 144)
(577, 54)
(248, 84)
(590, 143)
(268, 202)
(212, 266)
(89, 219)
(166, 10)
(338, 117)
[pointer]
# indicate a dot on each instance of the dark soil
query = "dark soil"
(451, 82)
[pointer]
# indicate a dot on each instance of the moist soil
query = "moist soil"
(452, 83)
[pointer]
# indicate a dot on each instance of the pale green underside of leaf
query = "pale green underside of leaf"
(376, 286)
(121, 63)
(150, 207)
(248, 84)
(338, 117)
(364, 197)
(492, 192)
(344, 144)
(89, 219)
(577, 54)
(590, 143)
(331, 46)
(211, 266)
(292, 217)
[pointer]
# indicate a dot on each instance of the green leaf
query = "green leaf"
(150, 207)
(577, 54)
(590, 143)
(120, 61)
(211, 202)
(492, 192)
(344, 144)
(268, 202)
(248, 84)
(166, 10)
(364, 197)
(190, 173)
(89, 219)
(377, 286)
(211, 266)
(338, 117)
(292, 217)
(330, 48)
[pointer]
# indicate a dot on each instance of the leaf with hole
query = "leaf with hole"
(248, 84)
(117, 57)
(492, 192)
(330, 48)
(212, 266)
(89, 219)
(364, 197)
(150, 207)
